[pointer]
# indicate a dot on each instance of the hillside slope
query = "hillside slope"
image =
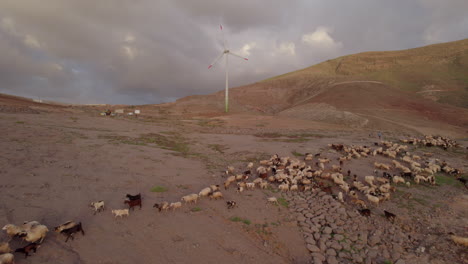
(422, 87)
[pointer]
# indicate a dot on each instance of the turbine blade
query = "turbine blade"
(216, 60)
(224, 40)
(233, 54)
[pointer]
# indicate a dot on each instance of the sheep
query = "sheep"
(133, 203)
(284, 187)
(65, 225)
(175, 205)
(204, 192)
(242, 184)
(214, 188)
(250, 185)
(336, 168)
(258, 181)
(250, 165)
(190, 198)
(98, 206)
(320, 165)
(12, 230)
(385, 188)
(161, 206)
(460, 240)
(37, 233)
(294, 187)
(28, 248)
(325, 160)
(230, 170)
(369, 180)
(272, 200)
(373, 199)
(382, 180)
(216, 195)
(353, 195)
(228, 181)
(77, 228)
(340, 197)
(120, 212)
(396, 179)
(27, 225)
(7, 258)
(381, 166)
(344, 187)
(263, 185)
(5, 248)
(240, 189)
(134, 197)
(231, 204)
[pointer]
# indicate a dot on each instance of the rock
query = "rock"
(310, 240)
(317, 255)
(346, 245)
(331, 252)
(317, 236)
(317, 261)
(372, 253)
(397, 248)
(322, 246)
(313, 248)
(338, 237)
(357, 258)
(301, 218)
(336, 245)
(400, 261)
(353, 237)
(340, 222)
(343, 255)
(332, 260)
(309, 215)
(327, 230)
(341, 211)
(373, 240)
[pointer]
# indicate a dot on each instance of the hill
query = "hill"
(422, 87)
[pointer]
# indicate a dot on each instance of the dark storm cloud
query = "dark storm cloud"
(144, 51)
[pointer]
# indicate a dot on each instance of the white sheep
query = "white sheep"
(263, 185)
(7, 258)
(214, 188)
(396, 179)
(340, 197)
(175, 205)
(5, 248)
(250, 185)
(36, 233)
(120, 212)
(284, 187)
(240, 189)
(98, 206)
(230, 170)
(204, 192)
(12, 230)
(369, 180)
(294, 188)
(273, 200)
(250, 165)
(216, 195)
(27, 225)
(373, 199)
(190, 198)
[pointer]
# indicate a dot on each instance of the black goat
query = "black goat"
(72, 230)
(134, 197)
(390, 216)
(365, 212)
(28, 248)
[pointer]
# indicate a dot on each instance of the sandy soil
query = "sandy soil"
(54, 162)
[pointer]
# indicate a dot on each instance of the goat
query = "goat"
(133, 203)
(28, 248)
(231, 204)
(70, 231)
(134, 197)
(365, 212)
(391, 217)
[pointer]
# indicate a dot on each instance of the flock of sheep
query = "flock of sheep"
(285, 174)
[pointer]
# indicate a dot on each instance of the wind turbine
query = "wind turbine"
(226, 52)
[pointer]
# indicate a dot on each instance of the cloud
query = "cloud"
(321, 38)
(149, 51)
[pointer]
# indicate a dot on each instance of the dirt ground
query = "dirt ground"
(54, 163)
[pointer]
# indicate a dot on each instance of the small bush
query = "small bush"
(159, 189)
(283, 202)
(196, 209)
(238, 219)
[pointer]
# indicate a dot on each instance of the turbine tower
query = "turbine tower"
(226, 52)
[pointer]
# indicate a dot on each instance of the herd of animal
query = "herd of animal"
(314, 171)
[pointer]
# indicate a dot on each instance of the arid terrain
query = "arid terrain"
(57, 159)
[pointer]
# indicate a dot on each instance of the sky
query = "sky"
(155, 51)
